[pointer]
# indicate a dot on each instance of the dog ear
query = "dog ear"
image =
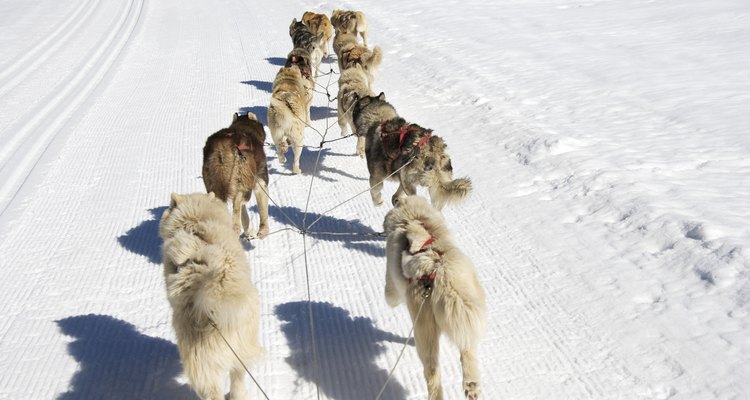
(211, 195)
(234, 117)
(175, 199)
(417, 236)
(381, 96)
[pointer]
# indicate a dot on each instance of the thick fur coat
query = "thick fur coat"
(304, 38)
(319, 25)
(209, 289)
(352, 54)
(301, 58)
(418, 245)
(234, 166)
(353, 83)
(392, 144)
(289, 113)
(350, 22)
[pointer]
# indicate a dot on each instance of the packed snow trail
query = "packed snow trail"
(605, 142)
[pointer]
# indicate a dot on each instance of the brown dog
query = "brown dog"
(234, 166)
(320, 25)
(392, 144)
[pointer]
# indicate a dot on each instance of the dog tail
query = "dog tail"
(450, 192)
(465, 313)
(208, 285)
(374, 57)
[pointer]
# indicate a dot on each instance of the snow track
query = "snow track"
(611, 273)
(27, 140)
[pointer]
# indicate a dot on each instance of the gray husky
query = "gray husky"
(303, 37)
(392, 144)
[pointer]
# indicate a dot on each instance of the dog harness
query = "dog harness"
(427, 280)
(241, 147)
(406, 128)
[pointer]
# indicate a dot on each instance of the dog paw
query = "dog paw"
(296, 170)
(471, 390)
(247, 237)
(262, 232)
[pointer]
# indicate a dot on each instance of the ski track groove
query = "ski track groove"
(63, 105)
(40, 53)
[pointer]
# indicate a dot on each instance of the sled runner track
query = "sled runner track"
(40, 127)
(22, 67)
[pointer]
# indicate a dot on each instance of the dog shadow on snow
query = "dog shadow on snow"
(309, 163)
(260, 85)
(346, 348)
(292, 216)
(117, 362)
(144, 239)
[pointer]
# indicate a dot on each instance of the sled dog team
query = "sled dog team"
(206, 272)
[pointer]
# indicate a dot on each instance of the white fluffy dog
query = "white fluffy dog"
(425, 266)
(211, 294)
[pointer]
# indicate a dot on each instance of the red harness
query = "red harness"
(401, 134)
(241, 146)
(427, 280)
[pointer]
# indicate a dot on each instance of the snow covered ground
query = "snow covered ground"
(607, 141)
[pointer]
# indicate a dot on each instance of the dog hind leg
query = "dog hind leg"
(427, 340)
(206, 383)
(404, 188)
(246, 226)
(361, 146)
(237, 206)
(238, 390)
(297, 149)
(261, 197)
(470, 374)
(376, 187)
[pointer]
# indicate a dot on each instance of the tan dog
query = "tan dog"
(425, 269)
(407, 152)
(320, 25)
(350, 22)
(343, 39)
(353, 84)
(234, 166)
(352, 54)
(301, 58)
(288, 113)
(209, 289)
